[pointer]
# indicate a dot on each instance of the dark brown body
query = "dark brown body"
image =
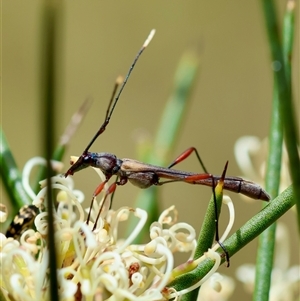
(145, 175)
(234, 184)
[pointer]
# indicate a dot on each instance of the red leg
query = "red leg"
(96, 192)
(198, 177)
(109, 191)
(186, 154)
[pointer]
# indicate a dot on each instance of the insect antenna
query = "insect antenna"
(107, 115)
(112, 104)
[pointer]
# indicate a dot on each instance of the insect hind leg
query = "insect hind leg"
(182, 157)
(186, 154)
(217, 213)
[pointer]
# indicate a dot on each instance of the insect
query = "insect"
(144, 175)
(22, 221)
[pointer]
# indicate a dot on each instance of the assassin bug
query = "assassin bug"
(145, 175)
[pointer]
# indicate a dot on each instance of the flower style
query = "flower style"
(217, 288)
(93, 262)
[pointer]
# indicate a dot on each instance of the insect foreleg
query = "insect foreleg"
(109, 191)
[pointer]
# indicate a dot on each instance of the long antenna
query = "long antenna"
(112, 107)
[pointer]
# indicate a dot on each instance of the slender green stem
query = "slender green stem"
(266, 245)
(11, 177)
(261, 221)
(254, 227)
(48, 110)
(175, 109)
(208, 228)
(284, 93)
(267, 239)
(288, 37)
(168, 131)
(207, 233)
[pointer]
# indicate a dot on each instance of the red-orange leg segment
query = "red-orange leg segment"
(186, 154)
(109, 191)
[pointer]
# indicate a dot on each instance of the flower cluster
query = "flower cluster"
(93, 262)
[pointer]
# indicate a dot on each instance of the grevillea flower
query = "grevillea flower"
(93, 261)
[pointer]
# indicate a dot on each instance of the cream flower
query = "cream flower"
(217, 288)
(93, 261)
(251, 156)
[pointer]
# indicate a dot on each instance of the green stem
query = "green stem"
(207, 233)
(288, 37)
(11, 177)
(285, 97)
(261, 221)
(208, 228)
(254, 227)
(168, 132)
(49, 23)
(266, 244)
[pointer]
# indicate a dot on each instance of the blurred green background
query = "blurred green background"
(98, 41)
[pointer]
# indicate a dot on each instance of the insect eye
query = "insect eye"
(86, 159)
